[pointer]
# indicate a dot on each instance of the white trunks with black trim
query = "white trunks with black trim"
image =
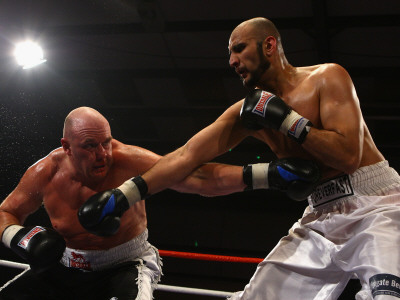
(137, 249)
(350, 229)
(369, 180)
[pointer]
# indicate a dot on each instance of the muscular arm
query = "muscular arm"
(171, 170)
(25, 198)
(214, 140)
(213, 179)
(340, 143)
(210, 179)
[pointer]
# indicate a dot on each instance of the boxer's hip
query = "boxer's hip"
(95, 260)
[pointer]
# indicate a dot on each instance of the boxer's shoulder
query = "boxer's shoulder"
(325, 73)
(124, 152)
(38, 176)
(133, 158)
(321, 72)
(326, 67)
(49, 164)
(121, 149)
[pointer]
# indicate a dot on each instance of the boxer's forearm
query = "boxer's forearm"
(213, 179)
(6, 219)
(160, 176)
(209, 143)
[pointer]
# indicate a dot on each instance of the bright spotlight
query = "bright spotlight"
(28, 54)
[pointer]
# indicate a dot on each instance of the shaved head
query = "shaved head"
(81, 118)
(261, 28)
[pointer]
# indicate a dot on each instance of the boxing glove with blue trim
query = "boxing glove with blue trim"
(294, 176)
(101, 213)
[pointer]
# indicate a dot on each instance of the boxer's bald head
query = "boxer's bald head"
(260, 28)
(83, 119)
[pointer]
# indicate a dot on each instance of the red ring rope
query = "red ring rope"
(199, 256)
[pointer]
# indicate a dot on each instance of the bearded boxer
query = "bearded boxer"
(69, 262)
(351, 224)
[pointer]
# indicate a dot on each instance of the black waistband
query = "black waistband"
(331, 190)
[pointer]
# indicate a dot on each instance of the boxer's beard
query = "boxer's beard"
(263, 66)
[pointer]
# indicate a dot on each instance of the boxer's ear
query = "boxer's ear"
(66, 146)
(269, 45)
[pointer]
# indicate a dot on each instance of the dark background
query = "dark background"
(158, 70)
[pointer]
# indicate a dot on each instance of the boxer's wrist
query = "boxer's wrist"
(295, 126)
(9, 233)
(256, 176)
(141, 186)
(134, 189)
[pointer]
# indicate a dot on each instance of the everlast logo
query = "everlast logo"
(23, 243)
(331, 190)
(262, 103)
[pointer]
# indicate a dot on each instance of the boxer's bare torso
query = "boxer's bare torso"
(333, 115)
(53, 182)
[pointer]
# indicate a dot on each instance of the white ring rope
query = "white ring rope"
(12, 264)
(193, 291)
(160, 287)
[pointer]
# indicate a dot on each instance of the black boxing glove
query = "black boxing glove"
(41, 247)
(101, 213)
(262, 109)
(294, 176)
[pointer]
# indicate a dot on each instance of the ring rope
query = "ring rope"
(160, 287)
(211, 257)
(193, 291)
(13, 264)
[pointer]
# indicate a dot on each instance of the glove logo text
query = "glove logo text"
(23, 243)
(260, 108)
(297, 127)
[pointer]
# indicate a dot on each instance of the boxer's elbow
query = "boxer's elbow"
(350, 167)
(351, 161)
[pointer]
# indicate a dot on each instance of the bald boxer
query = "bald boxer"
(69, 262)
(351, 226)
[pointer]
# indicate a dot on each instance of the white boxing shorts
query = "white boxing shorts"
(138, 250)
(351, 229)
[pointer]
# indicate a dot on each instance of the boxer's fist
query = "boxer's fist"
(41, 247)
(101, 213)
(265, 110)
(296, 177)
